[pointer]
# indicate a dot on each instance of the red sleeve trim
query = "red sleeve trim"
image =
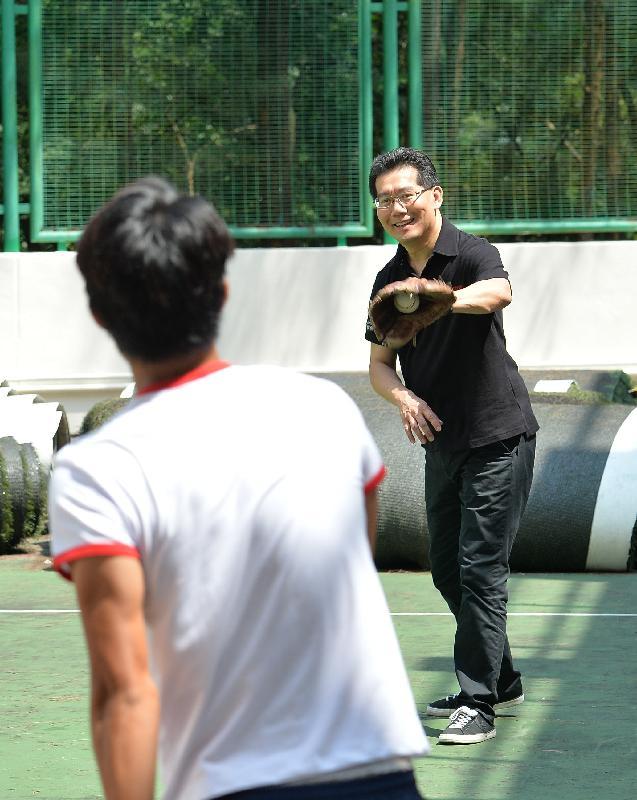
(61, 562)
(373, 482)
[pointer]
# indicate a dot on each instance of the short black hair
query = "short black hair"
(154, 261)
(385, 162)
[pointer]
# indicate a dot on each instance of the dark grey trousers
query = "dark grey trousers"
(392, 786)
(475, 500)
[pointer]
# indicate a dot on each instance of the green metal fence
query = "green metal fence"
(264, 107)
(529, 109)
(9, 208)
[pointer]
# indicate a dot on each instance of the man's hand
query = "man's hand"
(419, 420)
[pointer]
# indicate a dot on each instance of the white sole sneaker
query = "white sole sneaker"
(467, 726)
(459, 738)
(508, 703)
(432, 711)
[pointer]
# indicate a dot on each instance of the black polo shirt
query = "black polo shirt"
(459, 365)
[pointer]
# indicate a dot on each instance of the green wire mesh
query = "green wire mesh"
(256, 104)
(530, 107)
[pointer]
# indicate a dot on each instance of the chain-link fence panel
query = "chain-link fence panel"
(530, 108)
(256, 104)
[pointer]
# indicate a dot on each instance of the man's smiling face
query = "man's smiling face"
(416, 221)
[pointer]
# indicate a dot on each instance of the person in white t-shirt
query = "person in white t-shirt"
(218, 532)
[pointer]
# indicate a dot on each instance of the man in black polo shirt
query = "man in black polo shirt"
(465, 402)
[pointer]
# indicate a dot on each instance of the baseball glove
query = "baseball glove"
(403, 308)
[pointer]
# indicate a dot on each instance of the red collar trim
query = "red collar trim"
(207, 368)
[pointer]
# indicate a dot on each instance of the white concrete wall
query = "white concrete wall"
(305, 308)
(46, 330)
(574, 306)
(49, 343)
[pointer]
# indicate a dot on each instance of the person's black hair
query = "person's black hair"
(154, 261)
(385, 162)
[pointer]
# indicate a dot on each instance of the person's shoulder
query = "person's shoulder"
(314, 388)
(323, 384)
(286, 377)
(476, 248)
(103, 445)
(470, 241)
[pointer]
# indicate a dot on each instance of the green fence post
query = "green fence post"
(391, 135)
(414, 59)
(10, 130)
(35, 121)
(391, 131)
(366, 103)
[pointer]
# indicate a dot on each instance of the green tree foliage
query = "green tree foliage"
(253, 104)
(530, 107)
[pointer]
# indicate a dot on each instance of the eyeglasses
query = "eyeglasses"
(405, 199)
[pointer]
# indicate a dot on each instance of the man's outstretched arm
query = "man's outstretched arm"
(483, 297)
(124, 699)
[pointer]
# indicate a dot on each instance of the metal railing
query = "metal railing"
(424, 19)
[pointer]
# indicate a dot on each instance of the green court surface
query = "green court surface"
(573, 636)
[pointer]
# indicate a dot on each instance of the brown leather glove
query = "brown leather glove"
(403, 308)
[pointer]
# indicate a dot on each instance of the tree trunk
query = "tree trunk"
(432, 77)
(611, 118)
(275, 114)
(458, 77)
(594, 63)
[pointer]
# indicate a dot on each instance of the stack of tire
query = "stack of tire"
(31, 431)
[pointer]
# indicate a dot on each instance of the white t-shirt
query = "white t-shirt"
(241, 489)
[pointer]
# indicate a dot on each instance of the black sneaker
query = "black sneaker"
(466, 726)
(449, 704)
(514, 701)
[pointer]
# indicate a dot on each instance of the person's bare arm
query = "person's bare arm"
(419, 420)
(124, 699)
(482, 297)
(371, 509)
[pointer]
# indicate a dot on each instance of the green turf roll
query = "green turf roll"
(23, 495)
(13, 493)
(579, 512)
(35, 491)
(6, 506)
(590, 386)
(101, 412)
(62, 435)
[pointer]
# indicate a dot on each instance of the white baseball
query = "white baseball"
(406, 302)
